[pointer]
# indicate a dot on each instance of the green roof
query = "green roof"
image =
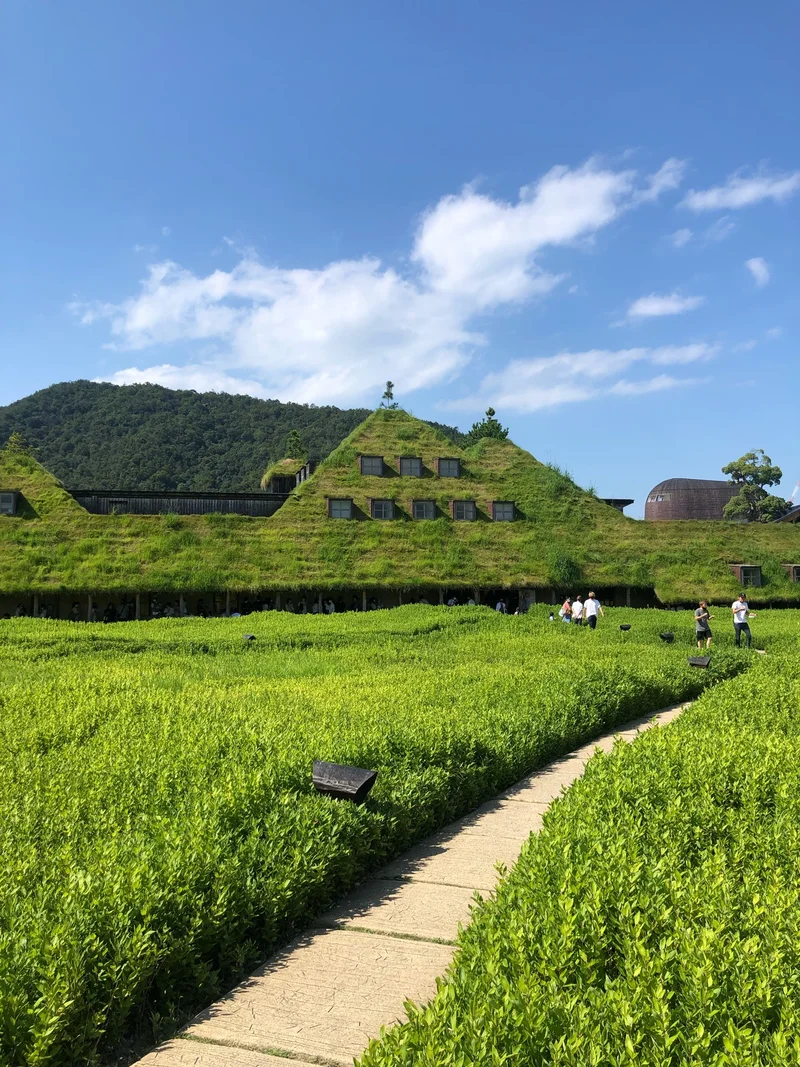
(562, 534)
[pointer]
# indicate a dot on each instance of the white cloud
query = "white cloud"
(774, 333)
(650, 385)
(166, 231)
(741, 191)
(720, 229)
(669, 176)
(145, 248)
(655, 305)
(759, 269)
(335, 333)
(526, 385)
(681, 237)
(745, 346)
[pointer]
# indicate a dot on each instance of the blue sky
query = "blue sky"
(585, 215)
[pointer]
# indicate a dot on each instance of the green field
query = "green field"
(655, 920)
(158, 827)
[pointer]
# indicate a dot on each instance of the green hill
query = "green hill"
(94, 435)
(564, 538)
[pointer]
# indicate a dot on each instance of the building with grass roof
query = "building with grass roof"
(396, 513)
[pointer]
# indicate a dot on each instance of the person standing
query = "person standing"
(565, 611)
(577, 611)
(501, 606)
(591, 609)
(701, 625)
(741, 613)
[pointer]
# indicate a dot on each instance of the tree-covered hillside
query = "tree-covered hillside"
(99, 436)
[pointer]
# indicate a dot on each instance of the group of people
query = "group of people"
(740, 610)
(577, 610)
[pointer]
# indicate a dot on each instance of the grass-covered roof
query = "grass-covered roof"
(563, 536)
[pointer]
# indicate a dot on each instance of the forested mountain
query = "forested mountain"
(100, 436)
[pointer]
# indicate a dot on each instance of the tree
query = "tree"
(294, 445)
(489, 427)
(752, 472)
(387, 400)
(17, 443)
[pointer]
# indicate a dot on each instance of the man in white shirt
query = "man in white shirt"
(741, 613)
(591, 609)
(577, 611)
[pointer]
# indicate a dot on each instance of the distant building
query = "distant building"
(689, 498)
(618, 502)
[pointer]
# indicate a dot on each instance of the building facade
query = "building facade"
(688, 498)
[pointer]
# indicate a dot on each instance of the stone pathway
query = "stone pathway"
(323, 997)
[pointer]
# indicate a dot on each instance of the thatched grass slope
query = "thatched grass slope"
(564, 535)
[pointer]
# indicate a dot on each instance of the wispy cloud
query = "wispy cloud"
(681, 237)
(656, 305)
(745, 346)
(759, 269)
(166, 231)
(336, 333)
(149, 249)
(720, 229)
(669, 176)
(526, 385)
(741, 190)
(774, 332)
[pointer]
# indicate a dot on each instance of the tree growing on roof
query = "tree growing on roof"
(488, 427)
(295, 449)
(752, 472)
(388, 400)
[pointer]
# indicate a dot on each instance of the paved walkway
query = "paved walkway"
(323, 997)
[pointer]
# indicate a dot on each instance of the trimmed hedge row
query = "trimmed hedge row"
(158, 827)
(655, 920)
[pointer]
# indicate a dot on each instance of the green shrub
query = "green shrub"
(158, 827)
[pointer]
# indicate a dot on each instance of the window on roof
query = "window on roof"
(340, 509)
(424, 509)
(751, 576)
(503, 510)
(464, 510)
(372, 465)
(383, 509)
(411, 466)
(8, 503)
(449, 468)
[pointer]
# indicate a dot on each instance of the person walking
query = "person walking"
(501, 606)
(741, 613)
(701, 625)
(577, 610)
(565, 611)
(591, 609)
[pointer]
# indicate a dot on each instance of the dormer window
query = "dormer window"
(372, 465)
(503, 510)
(464, 510)
(411, 466)
(8, 503)
(383, 509)
(340, 509)
(449, 468)
(424, 509)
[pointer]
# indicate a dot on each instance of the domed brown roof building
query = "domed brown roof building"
(689, 498)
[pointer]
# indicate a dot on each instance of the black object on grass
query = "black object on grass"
(342, 782)
(624, 626)
(667, 638)
(699, 661)
(248, 637)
